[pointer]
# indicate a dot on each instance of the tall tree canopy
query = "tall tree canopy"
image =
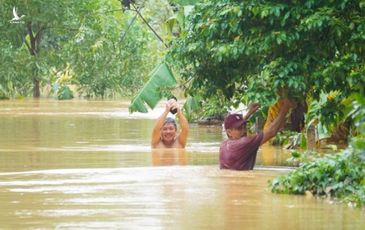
(94, 45)
(249, 49)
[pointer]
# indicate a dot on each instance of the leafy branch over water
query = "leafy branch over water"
(339, 176)
(336, 176)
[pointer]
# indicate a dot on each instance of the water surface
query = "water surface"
(88, 165)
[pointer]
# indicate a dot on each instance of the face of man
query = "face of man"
(236, 133)
(168, 132)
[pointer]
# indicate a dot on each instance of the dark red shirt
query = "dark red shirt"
(239, 154)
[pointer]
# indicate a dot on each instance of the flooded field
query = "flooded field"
(88, 165)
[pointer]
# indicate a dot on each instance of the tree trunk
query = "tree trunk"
(33, 47)
(297, 117)
(36, 89)
(311, 137)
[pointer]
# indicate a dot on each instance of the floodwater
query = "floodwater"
(88, 165)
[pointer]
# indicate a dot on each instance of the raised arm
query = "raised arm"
(156, 132)
(252, 108)
(274, 127)
(184, 125)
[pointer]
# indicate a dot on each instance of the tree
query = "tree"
(247, 50)
(104, 50)
(113, 54)
(41, 19)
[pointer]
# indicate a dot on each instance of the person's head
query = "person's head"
(235, 126)
(168, 130)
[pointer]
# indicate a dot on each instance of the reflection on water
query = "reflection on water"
(175, 197)
(47, 134)
(81, 164)
(77, 134)
(163, 157)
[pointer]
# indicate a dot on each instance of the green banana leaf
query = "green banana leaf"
(192, 104)
(160, 78)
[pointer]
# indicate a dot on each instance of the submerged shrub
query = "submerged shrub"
(339, 176)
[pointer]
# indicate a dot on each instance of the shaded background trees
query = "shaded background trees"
(93, 47)
(226, 51)
(236, 51)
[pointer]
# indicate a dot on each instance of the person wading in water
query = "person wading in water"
(165, 133)
(239, 151)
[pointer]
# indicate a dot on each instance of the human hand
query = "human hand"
(172, 106)
(253, 107)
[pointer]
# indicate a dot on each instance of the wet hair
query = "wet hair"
(170, 120)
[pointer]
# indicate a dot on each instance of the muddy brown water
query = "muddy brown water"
(88, 165)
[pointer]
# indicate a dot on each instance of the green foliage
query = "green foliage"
(192, 104)
(286, 136)
(358, 114)
(326, 112)
(337, 176)
(113, 52)
(65, 93)
(184, 2)
(214, 108)
(299, 157)
(175, 25)
(109, 51)
(246, 50)
(29, 42)
(197, 108)
(161, 79)
(14, 79)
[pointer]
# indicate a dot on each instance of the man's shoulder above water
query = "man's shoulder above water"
(240, 154)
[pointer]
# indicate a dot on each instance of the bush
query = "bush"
(339, 176)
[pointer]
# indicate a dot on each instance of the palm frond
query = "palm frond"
(160, 78)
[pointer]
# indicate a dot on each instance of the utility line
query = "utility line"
(149, 26)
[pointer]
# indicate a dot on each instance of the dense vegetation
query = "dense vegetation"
(224, 52)
(236, 51)
(95, 48)
(339, 176)
(240, 51)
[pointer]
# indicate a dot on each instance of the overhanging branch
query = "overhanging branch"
(149, 26)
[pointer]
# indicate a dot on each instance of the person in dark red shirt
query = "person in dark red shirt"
(239, 151)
